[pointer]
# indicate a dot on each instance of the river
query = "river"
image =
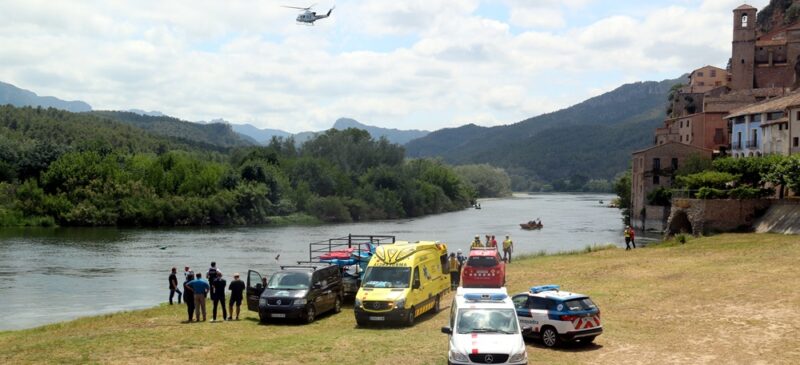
(51, 275)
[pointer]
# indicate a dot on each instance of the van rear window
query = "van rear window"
(482, 261)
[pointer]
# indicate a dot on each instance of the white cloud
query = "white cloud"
(415, 64)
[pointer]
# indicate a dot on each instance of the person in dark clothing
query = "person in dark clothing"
(173, 286)
(188, 295)
(237, 288)
(218, 296)
(212, 272)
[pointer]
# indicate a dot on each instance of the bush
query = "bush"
(711, 193)
(707, 179)
(746, 192)
(329, 209)
(661, 196)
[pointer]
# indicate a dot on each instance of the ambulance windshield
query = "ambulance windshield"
(486, 321)
(387, 277)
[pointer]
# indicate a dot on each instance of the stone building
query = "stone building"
(763, 60)
(653, 168)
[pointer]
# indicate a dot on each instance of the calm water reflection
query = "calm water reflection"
(49, 275)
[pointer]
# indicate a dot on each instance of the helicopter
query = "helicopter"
(308, 16)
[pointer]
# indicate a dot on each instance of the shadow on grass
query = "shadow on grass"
(297, 321)
(564, 347)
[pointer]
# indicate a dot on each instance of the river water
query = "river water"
(51, 275)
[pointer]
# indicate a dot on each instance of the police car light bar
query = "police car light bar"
(474, 297)
(542, 288)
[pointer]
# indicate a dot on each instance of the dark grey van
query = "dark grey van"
(295, 292)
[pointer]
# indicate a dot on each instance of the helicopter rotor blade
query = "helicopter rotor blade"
(294, 7)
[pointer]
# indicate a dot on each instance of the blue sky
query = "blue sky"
(423, 64)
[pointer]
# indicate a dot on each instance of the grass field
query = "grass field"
(729, 298)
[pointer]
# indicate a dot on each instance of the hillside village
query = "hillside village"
(749, 109)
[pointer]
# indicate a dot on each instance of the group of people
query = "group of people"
(508, 245)
(195, 290)
(630, 238)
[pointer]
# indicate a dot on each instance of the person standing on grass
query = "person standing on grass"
(493, 243)
(187, 273)
(455, 271)
(237, 288)
(461, 258)
(173, 286)
(627, 235)
(188, 294)
(200, 288)
(508, 247)
(218, 296)
(212, 272)
(633, 237)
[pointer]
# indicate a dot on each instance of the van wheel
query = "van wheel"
(410, 317)
(310, 314)
(550, 337)
(337, 306)
(437, 307)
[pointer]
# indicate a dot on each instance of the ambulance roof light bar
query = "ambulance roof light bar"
(485, 297)
(543, 288)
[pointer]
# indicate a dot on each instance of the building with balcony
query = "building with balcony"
(793, 114)
(655, 168)
(765, 127)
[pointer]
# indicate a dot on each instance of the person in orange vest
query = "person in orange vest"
(455, 271)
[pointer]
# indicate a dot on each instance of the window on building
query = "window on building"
(681, 124)
(796, 142)
(739, 139)
(702, 83)
(718, 83)
(774, 115)
(713, 73)
(656, 164)
(688, 122)
(744, 20)
(674, 163)
(798, 116)
(656, 179)
(755, 137)
(700, 74)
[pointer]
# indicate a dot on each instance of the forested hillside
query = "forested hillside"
(80, 169)
(218, 134)
(567, 148)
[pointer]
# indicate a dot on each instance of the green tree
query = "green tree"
(622, 186)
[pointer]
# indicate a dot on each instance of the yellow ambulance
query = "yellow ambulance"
(403, 281)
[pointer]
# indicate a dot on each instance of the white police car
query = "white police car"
(558, 316)
(484, 328)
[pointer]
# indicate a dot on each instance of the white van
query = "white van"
(484, 328)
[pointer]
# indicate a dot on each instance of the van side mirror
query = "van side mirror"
(527, 330)
(416, 284)
(448, 331)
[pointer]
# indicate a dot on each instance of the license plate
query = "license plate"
(377, 318)
(277, 315)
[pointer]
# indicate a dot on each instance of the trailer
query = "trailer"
(351, 253)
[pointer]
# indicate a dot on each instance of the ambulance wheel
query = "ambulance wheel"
(550, 337)
(410, 317)
(438, 306)
(311, 314)
(337, 306)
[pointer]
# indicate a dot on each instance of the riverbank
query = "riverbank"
(700, 302)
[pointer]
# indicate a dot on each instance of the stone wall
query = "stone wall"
(699, 216)
(654, 219)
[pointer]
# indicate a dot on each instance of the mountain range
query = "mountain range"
(263, 136)
(592, 139)
(10, 94)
